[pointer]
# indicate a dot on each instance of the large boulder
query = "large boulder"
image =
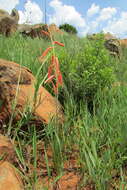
(18, 88)
(8, 23)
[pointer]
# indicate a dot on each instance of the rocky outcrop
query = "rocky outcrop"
(17, 88)
(34, 31)
(8, 23)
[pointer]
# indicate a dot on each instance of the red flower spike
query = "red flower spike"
(50, 69)
(55, 88)
(57, 65)
(54, 72)
(58, 43)
(60, 79)
(53, 60)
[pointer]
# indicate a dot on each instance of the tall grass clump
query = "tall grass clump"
(101, 139)
(24, 51)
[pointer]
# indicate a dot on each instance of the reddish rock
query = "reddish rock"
(9, 177)
(7, 151)
(69, 181)
(123, 43)
(45, 183)
(17, 87)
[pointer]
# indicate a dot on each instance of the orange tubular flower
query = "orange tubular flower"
(50, 79)
(53, 60)
(56, 64)
(57, 69)
(53, 69)
(46, 33)
(55, 88)
(58, 43)
(46, 51)
(60, 79)
(50, 69)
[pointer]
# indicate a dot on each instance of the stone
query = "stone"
(17, 87)
(7, 152)
(9, 177)
(123, 43)
(34, 31)
(113, 45)
(8, 23)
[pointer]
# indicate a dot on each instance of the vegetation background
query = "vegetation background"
(94, 99)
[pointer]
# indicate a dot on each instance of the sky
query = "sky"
(88, 16)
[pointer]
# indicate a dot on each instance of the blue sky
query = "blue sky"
(88, 16)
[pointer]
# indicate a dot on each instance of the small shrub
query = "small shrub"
(68, 28)
(88, 70)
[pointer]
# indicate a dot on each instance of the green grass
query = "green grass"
(100, 139)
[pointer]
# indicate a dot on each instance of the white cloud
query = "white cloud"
(94, 9)
(8, 5)
(106, 13)
(65, 14)
(118, 26)
(22, 17)
(96, 17)
(84, 31)
(32, 14)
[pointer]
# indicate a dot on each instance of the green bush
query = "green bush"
(68, 28)
(87, 69)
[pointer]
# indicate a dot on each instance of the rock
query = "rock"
(9, 178)
(111, 43)
(45, 183)
(33, 31)
(24, 27)
(108, 36)
(8, 23)
(7, 151)
(17, 86)
(53, 29)
(123, 43)
(69, 181)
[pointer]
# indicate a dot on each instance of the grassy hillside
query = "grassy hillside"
(94, 99)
